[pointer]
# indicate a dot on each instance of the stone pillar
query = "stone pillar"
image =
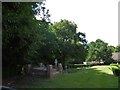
(50, 72)
(60, 68)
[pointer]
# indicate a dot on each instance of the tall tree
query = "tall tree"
(21, 35)
(70, 44)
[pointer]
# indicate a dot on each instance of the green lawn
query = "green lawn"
(94, 77)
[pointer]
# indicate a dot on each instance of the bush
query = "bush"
(115, 69)
(77, 65)
(115, 65)
(116, 72)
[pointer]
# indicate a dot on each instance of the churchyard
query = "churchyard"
(88, 77)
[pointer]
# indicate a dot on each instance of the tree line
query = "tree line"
(101, 51)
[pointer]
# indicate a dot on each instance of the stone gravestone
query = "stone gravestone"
(60, 68)
(40, 64)
(26, 69)
(29, 67)
(65, 68)
(56, 62)
(50, 71)
(23, 71)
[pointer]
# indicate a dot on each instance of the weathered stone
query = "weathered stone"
(50, 72)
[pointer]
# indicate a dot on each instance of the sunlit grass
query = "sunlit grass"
(104, 69)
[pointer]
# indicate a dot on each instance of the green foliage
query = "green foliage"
(77, 65)
(41, 11)
(22, 35)
(115, 69)
(70, 44)
(112, 48)
(117, 49)
(99, 50)
(19, 33)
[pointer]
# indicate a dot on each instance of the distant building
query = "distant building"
(116, 56)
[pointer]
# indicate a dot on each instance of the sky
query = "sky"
(95, 18)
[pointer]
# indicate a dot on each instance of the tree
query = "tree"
(70, 44)
(112, 48)
(41, 11)
(21, 35)
(47, 48)
(117, 49)
(99, 50)
(91, 56)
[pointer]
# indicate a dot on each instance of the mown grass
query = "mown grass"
(93, 77)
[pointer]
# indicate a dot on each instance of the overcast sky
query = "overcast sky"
(95, 18)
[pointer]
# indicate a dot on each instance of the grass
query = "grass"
(93, 77)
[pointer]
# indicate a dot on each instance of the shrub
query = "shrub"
(115, 69)
(77, 65)
(116, 72)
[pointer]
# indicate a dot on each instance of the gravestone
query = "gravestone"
(50, 72)
(60, 68)
(56, 62)
(26, 69)
(65, 68)
(29, 67)
(40, 64)
(23, 71)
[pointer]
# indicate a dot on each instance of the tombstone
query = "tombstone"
(29, 68)
(65, 68)
(60, 68)
(23, 70)
(50, 72)
(40, 64)
(56, 62)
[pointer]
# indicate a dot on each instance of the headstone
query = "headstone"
(23, 70)
(56, 62)
(41, 64)
(60, 68)
(65, 68)
(29, 67)
(50, 71)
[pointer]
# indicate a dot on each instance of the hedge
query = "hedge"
(77, 65)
